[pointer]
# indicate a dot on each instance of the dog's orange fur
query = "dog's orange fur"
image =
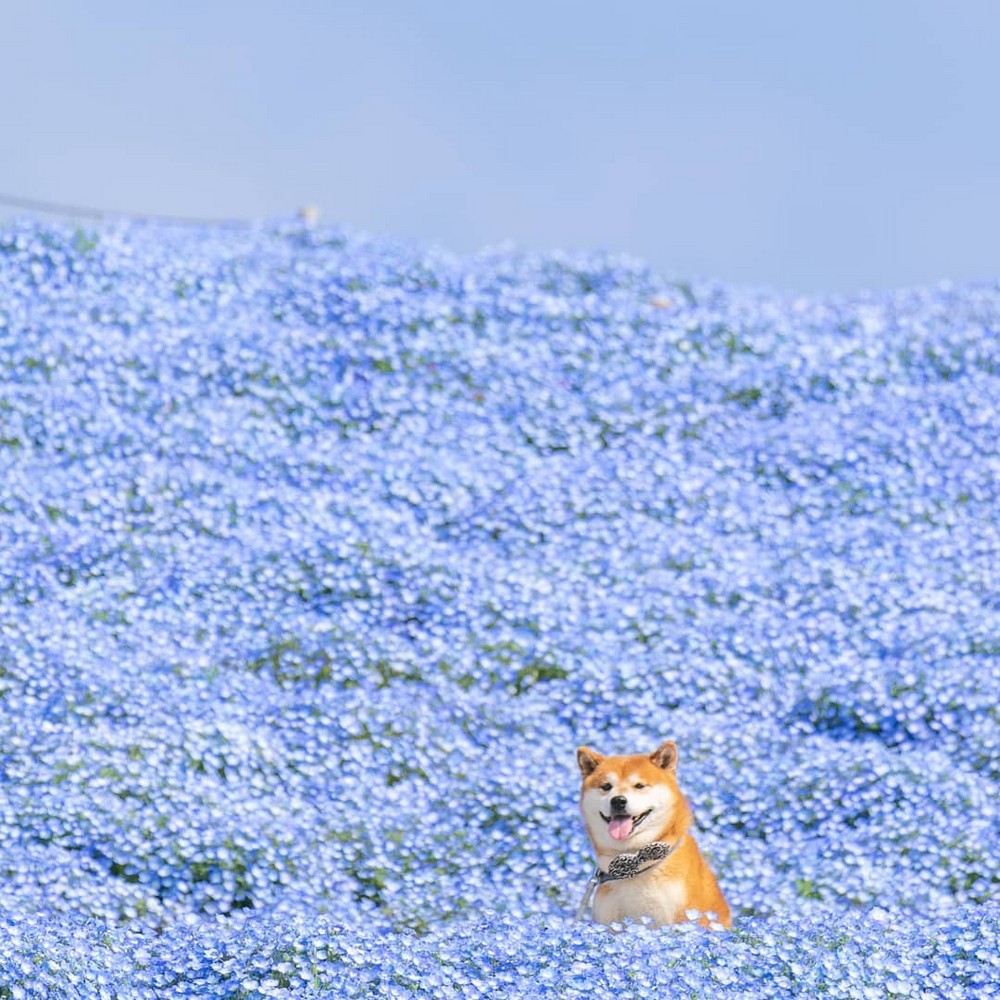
(685, 874)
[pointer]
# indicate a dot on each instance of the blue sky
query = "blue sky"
(809, 147)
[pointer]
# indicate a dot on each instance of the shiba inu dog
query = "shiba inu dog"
(639, 823)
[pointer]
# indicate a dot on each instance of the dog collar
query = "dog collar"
(625, 866)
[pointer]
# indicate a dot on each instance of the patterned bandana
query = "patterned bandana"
(627, 866)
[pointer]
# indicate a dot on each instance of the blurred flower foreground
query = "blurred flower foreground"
(320, 554)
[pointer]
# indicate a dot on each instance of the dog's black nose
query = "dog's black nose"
(618, 803)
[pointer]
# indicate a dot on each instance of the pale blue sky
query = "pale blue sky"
(806, 146)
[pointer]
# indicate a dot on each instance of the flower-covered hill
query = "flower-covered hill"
(320, 555)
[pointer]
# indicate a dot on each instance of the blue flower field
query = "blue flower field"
(320, 555)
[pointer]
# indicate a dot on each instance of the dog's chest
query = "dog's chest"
(659, 898)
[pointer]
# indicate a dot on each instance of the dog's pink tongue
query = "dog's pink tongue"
(620, 827)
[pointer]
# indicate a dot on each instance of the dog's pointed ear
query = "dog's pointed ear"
(588, 760)
(665, 756)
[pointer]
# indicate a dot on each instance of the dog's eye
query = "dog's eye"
(606, 787)
(639, 784)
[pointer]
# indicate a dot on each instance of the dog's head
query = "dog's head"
(630, 801)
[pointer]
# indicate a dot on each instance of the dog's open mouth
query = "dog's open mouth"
(621, 827)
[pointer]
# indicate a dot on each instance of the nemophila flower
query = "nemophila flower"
(320, 554)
